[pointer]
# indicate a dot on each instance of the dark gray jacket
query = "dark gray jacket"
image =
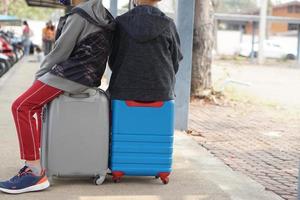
(145, 56)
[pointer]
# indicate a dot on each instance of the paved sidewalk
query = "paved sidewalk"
(197, 174)
(262, 143)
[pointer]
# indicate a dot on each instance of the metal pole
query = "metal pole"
(185, 23)
(130, 4)
(241, 32)
(216, 35)
(299, 182)
(298, 50)
(262, 30)
(253, 41)
(113, 7)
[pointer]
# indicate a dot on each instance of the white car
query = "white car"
(272, 50)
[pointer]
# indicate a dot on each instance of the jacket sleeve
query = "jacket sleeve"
(175, 48)
(115, 49)
(65, 44)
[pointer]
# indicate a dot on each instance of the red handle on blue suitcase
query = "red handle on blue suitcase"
(156, 104)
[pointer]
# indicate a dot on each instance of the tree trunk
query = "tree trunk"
(202, 48)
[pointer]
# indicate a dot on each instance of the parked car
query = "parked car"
(271, 48)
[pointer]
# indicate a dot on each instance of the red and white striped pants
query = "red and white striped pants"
(28, 127)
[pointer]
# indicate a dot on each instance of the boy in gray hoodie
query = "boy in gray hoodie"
(77, 62)
(146, 54)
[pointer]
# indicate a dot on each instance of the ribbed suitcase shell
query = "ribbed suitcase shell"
(142, 139)
(75, 135)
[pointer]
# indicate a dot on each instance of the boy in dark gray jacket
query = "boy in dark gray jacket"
(145, 56)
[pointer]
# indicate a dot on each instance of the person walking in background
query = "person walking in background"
(48, 37)
(27, 33)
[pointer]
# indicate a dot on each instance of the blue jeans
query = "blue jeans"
(26, 43)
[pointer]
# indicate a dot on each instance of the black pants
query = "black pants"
(48, 45)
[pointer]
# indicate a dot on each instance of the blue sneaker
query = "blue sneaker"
(25, 181)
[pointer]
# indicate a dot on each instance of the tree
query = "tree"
(202, 48)
(20, 9)
(4, 9)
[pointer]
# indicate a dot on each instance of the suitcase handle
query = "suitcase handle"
(156, 104)
(86, 94)
(82, 95)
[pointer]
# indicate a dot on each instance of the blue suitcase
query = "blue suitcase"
(142, 139)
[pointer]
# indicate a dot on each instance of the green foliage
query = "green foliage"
(20, 9)
(236, 6)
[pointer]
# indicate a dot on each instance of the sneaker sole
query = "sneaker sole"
(33, 188)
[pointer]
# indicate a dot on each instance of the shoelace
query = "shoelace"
(21, 173)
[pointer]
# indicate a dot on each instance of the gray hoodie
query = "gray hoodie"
(75, 29)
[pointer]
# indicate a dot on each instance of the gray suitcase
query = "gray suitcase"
(75, 136)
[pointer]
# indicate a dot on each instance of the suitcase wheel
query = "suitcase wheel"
(98, 180)
(117, 180)
(117, 176)
(165, 180)
(164, 177)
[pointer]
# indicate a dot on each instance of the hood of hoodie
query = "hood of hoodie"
(98, 12)
(144, 23)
